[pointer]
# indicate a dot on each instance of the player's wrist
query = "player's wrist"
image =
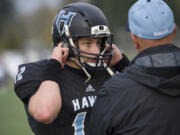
(124, 62)
(52, 70)
(56, 60)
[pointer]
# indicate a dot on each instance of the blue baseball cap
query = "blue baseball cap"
(150, 19)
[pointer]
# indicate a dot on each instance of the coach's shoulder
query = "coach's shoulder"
(116, 81)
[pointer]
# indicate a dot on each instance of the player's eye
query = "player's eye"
(86, 43)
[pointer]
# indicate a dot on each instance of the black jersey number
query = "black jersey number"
(78, 123)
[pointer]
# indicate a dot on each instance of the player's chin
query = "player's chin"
(90, 60)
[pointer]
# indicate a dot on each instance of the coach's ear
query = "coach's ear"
(175, 29)
(135, 41)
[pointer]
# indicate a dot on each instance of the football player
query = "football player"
(59, 93)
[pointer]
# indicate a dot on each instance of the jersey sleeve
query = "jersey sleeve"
(28, 79)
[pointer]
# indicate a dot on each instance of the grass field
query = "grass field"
(13, 120)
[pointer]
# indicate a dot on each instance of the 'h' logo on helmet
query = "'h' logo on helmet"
(64, 19)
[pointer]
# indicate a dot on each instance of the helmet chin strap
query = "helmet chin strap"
(81, 59)
(84, 69)
(109, 70)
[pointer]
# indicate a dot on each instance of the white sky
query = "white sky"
(30, 6)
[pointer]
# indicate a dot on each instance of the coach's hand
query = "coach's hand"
(60, 54)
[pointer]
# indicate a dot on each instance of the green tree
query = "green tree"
(38, 25)
(11, 29)
(6, 11)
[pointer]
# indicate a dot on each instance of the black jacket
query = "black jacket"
(144, 99)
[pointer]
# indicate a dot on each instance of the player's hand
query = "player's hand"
(117, 56)
(60, 54)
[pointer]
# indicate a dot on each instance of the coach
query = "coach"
(145, 98)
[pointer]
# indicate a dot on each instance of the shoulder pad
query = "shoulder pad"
(30, 72)
(29, 76)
